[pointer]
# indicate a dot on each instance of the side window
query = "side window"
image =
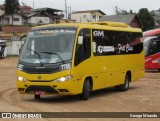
(154, 47)
(102, 43)
(106, 42)
(83, 46)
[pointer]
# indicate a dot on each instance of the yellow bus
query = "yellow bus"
(78, 58)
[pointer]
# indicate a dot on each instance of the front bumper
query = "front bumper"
(47, 85)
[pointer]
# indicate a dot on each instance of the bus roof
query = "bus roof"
(108, 25)
(153, 32)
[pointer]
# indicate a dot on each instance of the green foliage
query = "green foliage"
(119, 11)
(124, 12)
(146, 19)
(131, 12)
(11, 6)
(11, 56)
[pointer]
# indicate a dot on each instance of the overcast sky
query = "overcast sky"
(106, 6)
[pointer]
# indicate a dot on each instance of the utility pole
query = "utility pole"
(66, 8)
(69, 11)
(33, 4)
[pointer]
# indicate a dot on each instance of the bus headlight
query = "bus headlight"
(21, 79)
(63, 79)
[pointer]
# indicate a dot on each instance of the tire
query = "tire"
(125, 86)
(37, 97)
(159, 70)
(117, 88)
(86, 90)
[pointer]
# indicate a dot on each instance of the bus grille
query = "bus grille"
(35, 88)
(46, 70)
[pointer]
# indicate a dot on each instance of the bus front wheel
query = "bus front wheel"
(125, 86)
(86, 90)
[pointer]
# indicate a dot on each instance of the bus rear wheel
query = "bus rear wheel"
(37, 97)
(86, 90)
(125, 86)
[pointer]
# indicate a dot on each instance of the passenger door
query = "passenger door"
(83, 47)
(82, 66)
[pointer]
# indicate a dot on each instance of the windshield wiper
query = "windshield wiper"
(38, 55)
(54, 54)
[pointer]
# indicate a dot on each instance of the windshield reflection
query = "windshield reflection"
(48, 46)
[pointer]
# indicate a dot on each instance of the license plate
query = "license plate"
(40, 92)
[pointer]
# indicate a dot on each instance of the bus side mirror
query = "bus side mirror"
(23, 38)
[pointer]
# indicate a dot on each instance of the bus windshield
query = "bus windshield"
(48, 46)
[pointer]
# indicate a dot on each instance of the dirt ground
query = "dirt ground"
(143, 96)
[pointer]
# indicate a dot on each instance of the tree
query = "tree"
(124, 12)
(11, 6)
(131, 12)
(118, 11)
(146, 19)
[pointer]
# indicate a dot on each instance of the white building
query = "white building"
(27, 15)
(156, 15)
(18, 19)
(37, 18)
(87, 16)
(11, 47)
(1, 9)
